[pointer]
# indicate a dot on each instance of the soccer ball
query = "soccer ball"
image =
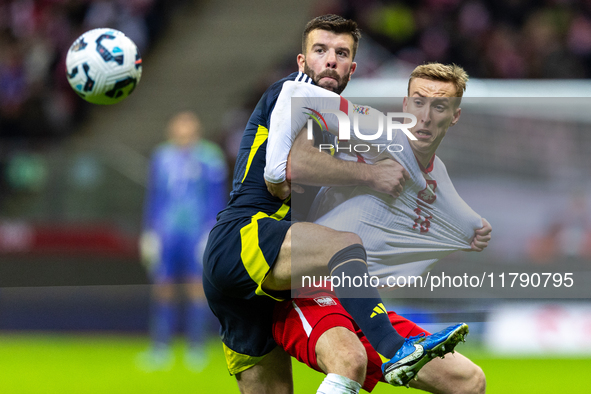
(103, 66)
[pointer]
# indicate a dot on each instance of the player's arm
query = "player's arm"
(285, 124)
(154, 197)
(312, 166)
(482, 236)
(149, 242)
(308, 165)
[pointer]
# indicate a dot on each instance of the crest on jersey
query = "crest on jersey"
(325, 301)
(428, 194)
(360, 109)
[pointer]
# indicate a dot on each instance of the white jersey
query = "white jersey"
(405, 235)
(288, 120)
(402, 236)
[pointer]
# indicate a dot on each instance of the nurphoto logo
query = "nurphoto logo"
(344, 129)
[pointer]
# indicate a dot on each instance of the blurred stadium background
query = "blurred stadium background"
(73, 294)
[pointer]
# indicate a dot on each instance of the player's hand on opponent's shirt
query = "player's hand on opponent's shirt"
(281, 190)
(387, 176)
(481, 237)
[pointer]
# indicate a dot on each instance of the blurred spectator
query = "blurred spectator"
(491, 39)
(186, 190)
(36, 102)
(13, 86)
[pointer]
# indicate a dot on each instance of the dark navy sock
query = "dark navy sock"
(348, 269)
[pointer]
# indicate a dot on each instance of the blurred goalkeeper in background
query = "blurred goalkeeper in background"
(186, 189)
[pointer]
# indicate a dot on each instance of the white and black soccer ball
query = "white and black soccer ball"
(103, 66)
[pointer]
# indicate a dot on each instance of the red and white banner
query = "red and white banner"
(66, 239)
(540, 328)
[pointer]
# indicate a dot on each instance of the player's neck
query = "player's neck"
(424, 158)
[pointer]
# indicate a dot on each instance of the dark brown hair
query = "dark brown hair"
(333, 23)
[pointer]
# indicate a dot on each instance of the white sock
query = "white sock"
(337, 384)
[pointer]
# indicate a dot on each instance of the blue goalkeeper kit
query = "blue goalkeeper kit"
(186, 190)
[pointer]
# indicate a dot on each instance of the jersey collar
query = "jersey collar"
(299, 76)
(429, 167)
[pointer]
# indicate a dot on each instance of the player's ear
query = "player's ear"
(404, 104)
(353, 68)
(301, 59)
(456, 117)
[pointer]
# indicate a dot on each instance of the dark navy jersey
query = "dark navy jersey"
(249, 192)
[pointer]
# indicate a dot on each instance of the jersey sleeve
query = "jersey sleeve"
(287, 120)
(154, 194)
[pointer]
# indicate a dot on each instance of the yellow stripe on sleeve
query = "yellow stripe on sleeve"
(259, 139)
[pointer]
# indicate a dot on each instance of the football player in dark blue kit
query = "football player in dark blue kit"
(255, 248)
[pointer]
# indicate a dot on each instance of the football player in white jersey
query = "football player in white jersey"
(402, 236)
(429, 220)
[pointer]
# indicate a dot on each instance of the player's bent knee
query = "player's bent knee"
(354, 360)
(350, 238)
(471, 380)
(342, 353)
(349, 362)
(455, 374)
(344, 239)
(477, 381)
(359, 363)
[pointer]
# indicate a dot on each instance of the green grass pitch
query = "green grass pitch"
(104, 364)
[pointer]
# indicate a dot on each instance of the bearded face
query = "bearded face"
(329, 79)
(328, 59)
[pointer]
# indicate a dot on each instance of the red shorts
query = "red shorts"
(299, 323)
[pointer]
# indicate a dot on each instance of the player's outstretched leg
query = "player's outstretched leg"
(419, 350)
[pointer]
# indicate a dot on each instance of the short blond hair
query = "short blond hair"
(444, 73)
